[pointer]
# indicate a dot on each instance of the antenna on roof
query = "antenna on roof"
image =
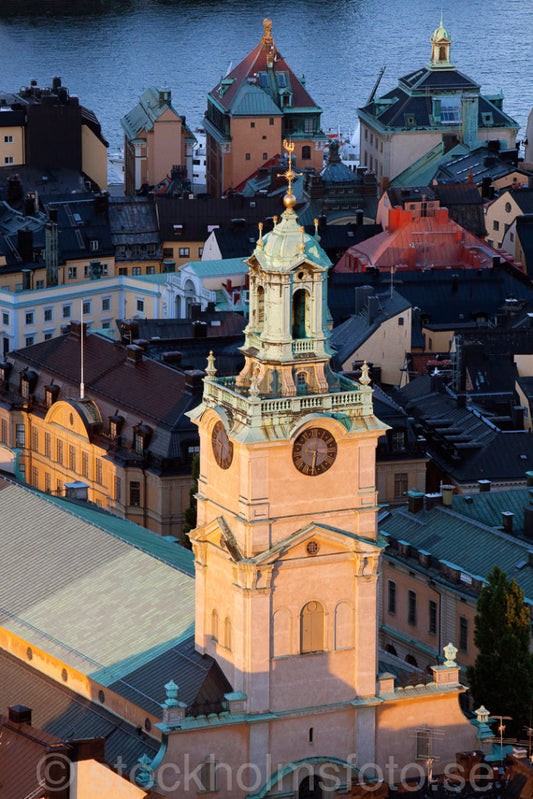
(82, 384)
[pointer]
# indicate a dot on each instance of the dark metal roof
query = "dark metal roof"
(61, 712)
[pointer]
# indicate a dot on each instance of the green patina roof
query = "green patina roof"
(286, 245)
(99, 593)
(253, 101)
(220, 266)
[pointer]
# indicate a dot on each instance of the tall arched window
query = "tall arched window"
(190, 294)
(442, 53)
(306, 153)
(260, 308)
(301, 383)
(227, 633)
(300, 313)
(214, 625)
(312, 628)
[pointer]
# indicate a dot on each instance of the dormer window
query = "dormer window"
(141, 437)
(115, 425)
(28, 381)
(51, 393)
(5, 369)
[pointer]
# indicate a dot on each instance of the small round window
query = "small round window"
(508, 207)
(101, 697)
(64, 675)
(29, 653)
(312, 548)
(71, 419)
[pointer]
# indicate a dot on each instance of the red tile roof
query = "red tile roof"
(428, 242)
(256, 61)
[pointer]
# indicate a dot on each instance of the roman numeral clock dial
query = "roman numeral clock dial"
(314, 451)
(222, 446)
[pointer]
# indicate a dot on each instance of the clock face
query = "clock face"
(314, 451)
(222, 446)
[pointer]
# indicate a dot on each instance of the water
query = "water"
(109, 51)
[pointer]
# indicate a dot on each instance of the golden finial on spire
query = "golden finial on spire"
(316, 228)
(267, 37)
(289, 201)
(260, 242)
(275, 220)
(301, 245)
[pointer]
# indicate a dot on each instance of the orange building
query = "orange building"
(156, 138)
(249, 113)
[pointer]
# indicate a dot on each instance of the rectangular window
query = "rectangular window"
(35, 440)
(411, 607)
(67, 310)
(150, 270)
(86, 307)
(29, 318)
(34, 476)
(168, 252)
(463, 634)
(123, 270)
(252, 124)
(94, 244)
(208, 776)
(450, 109)
(8, 159)
(5, 318)
(85, 464)
(106, 304)
(135, 270)
(400, 485)
(29, 341)
(271, 121)
(117, 488)
(4, 431)
(72, 272)
(495, 225)
(432, 617)
(98, 471)
(140, 306)
(47, 445)
(59, 451)
(39, 284)
(72, 458)
(135, 494)
(8, 139)
(48, 336)
(265, 156)
(423, 745)
(247, 156)
(47, 483)
(48, 314)
(200, 252)
(106, 325)
(391, 602)
(184, 252)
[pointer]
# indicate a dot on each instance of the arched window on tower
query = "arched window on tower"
(442, 53)
(300, 314)
(301, 383)
(312, 628)
(227, 633)
(306, 153)
(260, 308)
(214, 625)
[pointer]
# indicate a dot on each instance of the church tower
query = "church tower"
(286, 546)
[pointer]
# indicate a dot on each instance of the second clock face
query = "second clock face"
(222, 446)
(314, 451)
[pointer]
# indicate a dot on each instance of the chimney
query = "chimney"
(199, 329)
(195, 310)
(432, 500)
(77, 490)
(19, 714)
(14, 189)
(528, 522)
(194, 380)
(25, 245)
(134, 354)
(75, 329)
(447, 495)
(372, 310)
(415, 501)
(484, 486)
(507, 521)
(362, 293)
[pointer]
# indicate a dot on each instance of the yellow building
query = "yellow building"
(132, 448)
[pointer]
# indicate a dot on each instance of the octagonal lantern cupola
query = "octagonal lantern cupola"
(286, 345)
(440, 48)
